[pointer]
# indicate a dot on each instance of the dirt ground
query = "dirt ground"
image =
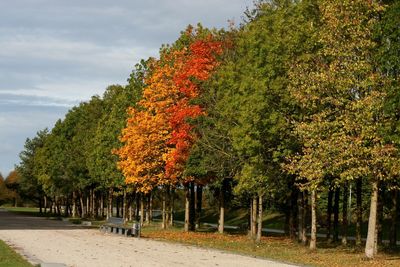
(47, 241)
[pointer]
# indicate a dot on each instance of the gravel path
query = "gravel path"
(43, 241)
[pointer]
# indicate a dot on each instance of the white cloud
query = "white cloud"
(55, 53)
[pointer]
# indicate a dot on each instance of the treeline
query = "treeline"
(9, 189)
(295, 107)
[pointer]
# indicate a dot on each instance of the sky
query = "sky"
(57, 53)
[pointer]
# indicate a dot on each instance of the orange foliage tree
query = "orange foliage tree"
(147, 132)
(158, 136)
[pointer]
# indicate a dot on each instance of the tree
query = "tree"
(342, 97)
(30, 185)
(192, 67)
(4, 192)
(247, 101)
(147, 131)
(158, 136)
(12, 182)
(387, 55)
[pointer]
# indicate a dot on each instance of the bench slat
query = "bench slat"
(117, 226)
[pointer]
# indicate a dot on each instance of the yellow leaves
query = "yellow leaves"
(142, 158)
(341, 96)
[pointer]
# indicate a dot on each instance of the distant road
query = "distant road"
(47, 241)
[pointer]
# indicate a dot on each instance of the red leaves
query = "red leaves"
(158, 135)
(195, 66)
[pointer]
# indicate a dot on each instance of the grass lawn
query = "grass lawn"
(25, 210)
(9, 258)
(278, 248)
(275, 220)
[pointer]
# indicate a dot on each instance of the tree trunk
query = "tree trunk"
(118, 206)
(83, 214)
(137, 206)
(73, 204)
(336, 216)
(329, 216)
(300, 213)
(250, 218)
(305, 221)
(393, 218)
(141, 209)
(345, 214)
(88, 206)
(45, 204)
(130, 208)
(221, 222)
(379, 212)
(148, 210)
(66, 208)
(199, 200)
(102, 205)
(151, 207)
(168, 207)
(57, 203)
(95, 205)
(124, 206)
(371, 246)
(110, 203)
(187, 204)
(192, 216)
(286, 211)
(313, 240)
(50, 206)
(164, 210)
(40, 205)
(254, 218)
(171, 206)
(260, 218)
(359, 211)
(293, 213)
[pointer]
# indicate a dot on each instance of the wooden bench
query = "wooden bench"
(117, 226)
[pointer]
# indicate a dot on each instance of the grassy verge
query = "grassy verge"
(278, 248)
(9, 258)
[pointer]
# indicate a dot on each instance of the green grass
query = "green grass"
(27, 211)
(275, 220)
(9, 258)
(236, 217)
(22, 209)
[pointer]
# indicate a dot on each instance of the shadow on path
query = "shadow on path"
(16, 221)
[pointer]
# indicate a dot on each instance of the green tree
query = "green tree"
(387, 59)
(102, 163)
(30, 185)
(342, 94)
(249, 107)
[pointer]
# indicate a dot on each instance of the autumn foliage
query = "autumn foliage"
(158, 135)
(195, 66)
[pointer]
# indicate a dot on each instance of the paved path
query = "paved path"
(42, 240)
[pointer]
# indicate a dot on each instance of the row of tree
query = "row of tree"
(293, 108)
